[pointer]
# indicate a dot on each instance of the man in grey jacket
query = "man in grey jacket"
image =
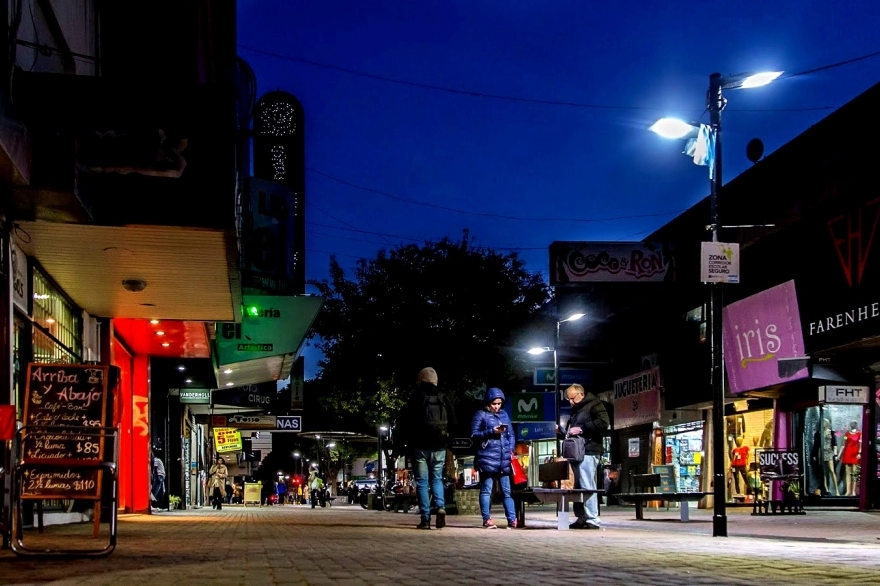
(589, 420)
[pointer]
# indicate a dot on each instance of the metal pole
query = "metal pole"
(556, 398)
(715, 103)
(379, 462)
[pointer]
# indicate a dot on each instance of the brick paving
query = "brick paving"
(350, 546)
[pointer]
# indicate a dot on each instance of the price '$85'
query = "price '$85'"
(87, 447)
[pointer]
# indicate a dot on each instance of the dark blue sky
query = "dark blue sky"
(635, 61)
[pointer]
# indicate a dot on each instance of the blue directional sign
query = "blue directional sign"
(545, 377)
(535, 430)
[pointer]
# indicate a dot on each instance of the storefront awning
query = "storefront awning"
(269, 339)
(171, 273)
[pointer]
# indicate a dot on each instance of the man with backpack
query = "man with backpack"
(423, 428)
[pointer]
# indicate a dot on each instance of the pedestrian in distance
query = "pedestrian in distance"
(423, 431)
(588, 420)
(492, 432)
(217, 482)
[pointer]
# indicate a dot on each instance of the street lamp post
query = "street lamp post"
(382, 429)
(672, 128)
(557, 399)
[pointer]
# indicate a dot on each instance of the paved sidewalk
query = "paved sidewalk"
(348, 545)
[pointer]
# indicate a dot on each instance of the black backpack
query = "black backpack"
(436, 419)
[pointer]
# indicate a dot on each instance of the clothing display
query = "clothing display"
(740, 457)
(851, 447)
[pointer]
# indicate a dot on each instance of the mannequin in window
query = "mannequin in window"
(739, 463)
(766, 440)
(736, 429)
(829, 455)
(852, 451)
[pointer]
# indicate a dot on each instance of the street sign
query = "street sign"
(535, 430)
(462, 443)
(531, 407)
(544, 377)
(291, 423)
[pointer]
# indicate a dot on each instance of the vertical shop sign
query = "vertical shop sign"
(758, 331)
(637, 399)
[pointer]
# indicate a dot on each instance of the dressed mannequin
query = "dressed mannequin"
(766, 440)
(739, 464)
(829, 455)
(736, 429)
(852, 451)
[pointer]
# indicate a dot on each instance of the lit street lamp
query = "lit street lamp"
(541, 350)
(711, 150)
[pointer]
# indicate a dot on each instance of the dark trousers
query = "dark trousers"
(217, 499)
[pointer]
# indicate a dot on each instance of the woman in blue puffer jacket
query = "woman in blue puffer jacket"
(492, 432)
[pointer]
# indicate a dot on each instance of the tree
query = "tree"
(450, 305)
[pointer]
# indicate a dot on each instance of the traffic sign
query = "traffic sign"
(545, 377)
(289, 423)
(462, 443)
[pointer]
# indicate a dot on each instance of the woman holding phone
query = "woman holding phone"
(492, 432)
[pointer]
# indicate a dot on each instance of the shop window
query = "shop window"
(746, 434)
(697, 316)
(832, 437)
(57, 332)
(683, 447)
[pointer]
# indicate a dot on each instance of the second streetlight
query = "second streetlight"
(555, 350)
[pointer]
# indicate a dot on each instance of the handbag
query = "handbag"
(519, 475)
(573, 449)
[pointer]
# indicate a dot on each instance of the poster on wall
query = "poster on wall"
(633, 447)
(227, 439)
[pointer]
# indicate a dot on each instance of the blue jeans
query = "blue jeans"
(427, 465)
(486, 484)
(585, 477)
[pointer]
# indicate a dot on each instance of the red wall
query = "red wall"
(134, 429)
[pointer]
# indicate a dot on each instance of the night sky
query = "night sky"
(563, 144)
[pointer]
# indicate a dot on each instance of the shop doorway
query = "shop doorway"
(830, 437)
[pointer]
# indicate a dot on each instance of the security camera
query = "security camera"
(134, 285)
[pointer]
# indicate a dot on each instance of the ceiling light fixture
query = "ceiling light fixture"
(188, 381)
(166, 344)
(160, 333)
(154, 321)
(230, 384)
(134, 285)
(181, 368)
(227, 371)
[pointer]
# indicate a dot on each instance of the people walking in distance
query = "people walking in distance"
(589, 420)
(217, 482)
(423, 431)
(157, 481)
(492, 433)
(316, 487)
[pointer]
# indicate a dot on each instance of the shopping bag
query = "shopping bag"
(519, 475)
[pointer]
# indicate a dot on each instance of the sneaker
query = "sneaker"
(578, 525)
(512, 524)
(489, 524)
(441, 518)
(424, 524)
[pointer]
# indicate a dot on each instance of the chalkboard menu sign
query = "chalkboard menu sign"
(65, 407)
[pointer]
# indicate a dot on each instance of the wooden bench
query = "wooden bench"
(551, 472)
(649, 482)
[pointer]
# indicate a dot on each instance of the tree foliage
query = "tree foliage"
(450, 305)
